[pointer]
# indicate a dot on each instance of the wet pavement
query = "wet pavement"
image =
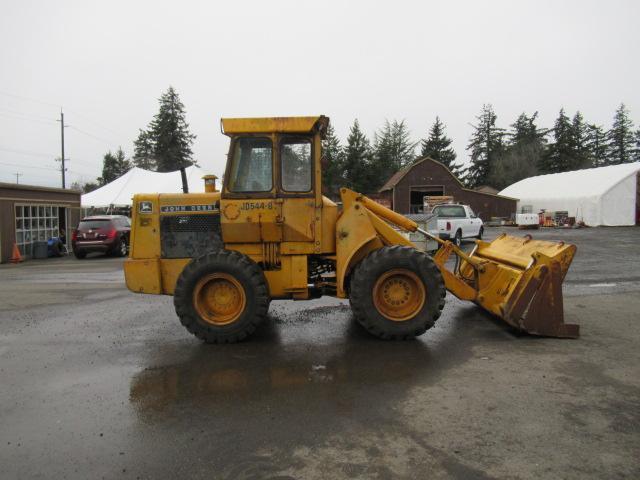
(97, 382)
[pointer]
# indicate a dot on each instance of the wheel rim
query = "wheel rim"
(123, 248)
(399, 294)
(219, 299)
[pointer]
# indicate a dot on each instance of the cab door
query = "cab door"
(296, 182)
(250, 212)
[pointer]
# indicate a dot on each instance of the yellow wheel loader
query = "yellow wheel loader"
(271, 234)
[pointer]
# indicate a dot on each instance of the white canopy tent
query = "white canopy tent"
(119, 192)
(597, 196)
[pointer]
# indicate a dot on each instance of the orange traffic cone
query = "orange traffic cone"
(16, 257)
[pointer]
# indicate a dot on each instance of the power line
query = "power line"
(94, 122)
(75, 112)
(49, 178)
(27, 152)
(110, 142)
(15, 117)
(8, 164)
(28, 114)
(21, 97)
(30, 118)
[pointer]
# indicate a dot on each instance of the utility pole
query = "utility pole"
(18, 175)
(62, 125)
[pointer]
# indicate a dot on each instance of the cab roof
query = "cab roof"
(231, 126)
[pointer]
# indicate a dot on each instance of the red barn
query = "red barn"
(406, 189)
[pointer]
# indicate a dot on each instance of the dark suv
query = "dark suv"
(108, 234)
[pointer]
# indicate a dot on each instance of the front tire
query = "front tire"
(221, 297)
(480, 232)
(79, 255)
(121, 248)
(397, 293)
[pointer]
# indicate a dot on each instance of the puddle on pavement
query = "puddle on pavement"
(301, 356)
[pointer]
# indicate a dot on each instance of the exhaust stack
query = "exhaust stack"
(210, 183)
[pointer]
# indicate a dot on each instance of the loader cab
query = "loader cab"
(271, 166)
(272, 185)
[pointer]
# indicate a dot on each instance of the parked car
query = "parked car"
(456, 222)
(108, 234)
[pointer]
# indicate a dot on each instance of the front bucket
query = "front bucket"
(520, 280)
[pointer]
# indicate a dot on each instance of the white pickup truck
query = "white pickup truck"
(456, 222)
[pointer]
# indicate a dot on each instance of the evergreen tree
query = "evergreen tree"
(392, 151)
(524, 151)
(169, 134)
(402, 148)
(90, 187)
(636, 153)
(438, 147)
(114, 165)
(620, 138)
(357, 160)
(143, 151)
(86, 188)
(579, 143)
(560, 155)
(486, 146)
(333, 164)
(596, 145)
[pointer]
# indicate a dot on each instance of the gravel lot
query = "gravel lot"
(99, 382)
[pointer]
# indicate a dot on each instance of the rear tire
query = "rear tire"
(397, 293)
(457, 239)
(221, 297)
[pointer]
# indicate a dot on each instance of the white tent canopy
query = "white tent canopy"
(119, 192)
(596, 196)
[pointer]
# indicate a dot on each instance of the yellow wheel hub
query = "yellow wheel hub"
(219, 298)
(399, 294)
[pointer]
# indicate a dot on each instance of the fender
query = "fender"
(359, 231)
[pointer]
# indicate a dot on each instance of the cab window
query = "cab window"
(251, 166)
(295, 162)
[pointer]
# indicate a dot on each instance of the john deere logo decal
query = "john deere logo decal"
(145, 207)
(187, 208)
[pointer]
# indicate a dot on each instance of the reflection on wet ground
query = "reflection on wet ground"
(304, 377)
(283, 358)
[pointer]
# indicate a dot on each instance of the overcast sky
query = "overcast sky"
(107, 63)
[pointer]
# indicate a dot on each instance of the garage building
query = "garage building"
(29, 214)
(596, 196)
(406, 189)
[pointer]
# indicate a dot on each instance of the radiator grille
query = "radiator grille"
(188, 236)
(190, 223)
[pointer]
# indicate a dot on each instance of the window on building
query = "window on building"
(35, 223)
